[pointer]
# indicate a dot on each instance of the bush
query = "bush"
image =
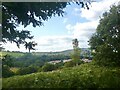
(105, 62)
(40, 69)
(6, 72)
(8, 60)
(70, 64)
(48, 67)
(27, 70)
(73, 63)
(83, 76)
(59, 65)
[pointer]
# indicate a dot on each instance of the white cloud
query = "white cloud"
(96, 9)
(68, 27)
(45, 44)
(83, 31)
(13, 47)
(77, 10)
(55, 43)
(48, 43)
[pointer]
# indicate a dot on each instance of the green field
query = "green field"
(14, 54)
(86, 75)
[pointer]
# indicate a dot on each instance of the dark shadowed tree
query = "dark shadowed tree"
(30, 45)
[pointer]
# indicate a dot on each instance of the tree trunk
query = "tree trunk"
(29, 50)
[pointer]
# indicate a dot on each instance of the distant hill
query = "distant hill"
(65, 52)
(14, 54)
(82, 51)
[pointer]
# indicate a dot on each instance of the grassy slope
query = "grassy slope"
(14, 54)
(83, 76)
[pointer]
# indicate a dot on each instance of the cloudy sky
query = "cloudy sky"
(58, 32)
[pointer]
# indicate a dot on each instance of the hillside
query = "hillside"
(65, 52)
(14, 54)
(84, 76)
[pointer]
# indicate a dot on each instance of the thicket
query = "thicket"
(7, 62)
(83, 76)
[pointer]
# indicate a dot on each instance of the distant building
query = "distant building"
(86, 60)
(66, 60)
(58, 61)
(55, 61)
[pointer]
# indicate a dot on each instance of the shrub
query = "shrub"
(59, 65)
(83, 76)
(73, 63)
(70, 64)
(40, 69)
(27, 70)
(8, 60)
(6, 72)
(48, 67)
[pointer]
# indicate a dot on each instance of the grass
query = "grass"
(14, 54)
(82, 76)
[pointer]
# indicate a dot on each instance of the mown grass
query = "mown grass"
(82, 76)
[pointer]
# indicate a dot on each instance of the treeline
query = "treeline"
(17, 63)
(30, 63)
(37, 60)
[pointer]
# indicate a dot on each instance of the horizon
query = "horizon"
(41, 52)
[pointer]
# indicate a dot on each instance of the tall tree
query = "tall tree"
(16, 13)
(106, 40)
(76, 51)
(30, 45)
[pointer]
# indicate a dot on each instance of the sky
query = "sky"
(58, 32)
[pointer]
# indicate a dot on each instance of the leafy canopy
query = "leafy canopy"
(106, 40)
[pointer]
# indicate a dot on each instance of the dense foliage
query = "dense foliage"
(27, 70)
(73, 63)
(37, 60)
(7, 62)
(48, 67)
(83, 76)
(6, 72)
(106, 40)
